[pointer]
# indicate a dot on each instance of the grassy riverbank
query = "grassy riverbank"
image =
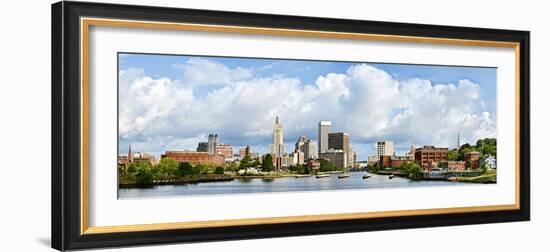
(487, 178)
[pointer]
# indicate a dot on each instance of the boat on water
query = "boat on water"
(366, 176)
(302, 176)
(343, 176)
(391, 176)
(322, 175)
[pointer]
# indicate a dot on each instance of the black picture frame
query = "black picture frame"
(66, 114)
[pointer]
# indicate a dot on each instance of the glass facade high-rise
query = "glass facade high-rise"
(340, 141)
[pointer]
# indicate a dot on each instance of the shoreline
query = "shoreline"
(193, 180)
(458, 177)
(480, 179)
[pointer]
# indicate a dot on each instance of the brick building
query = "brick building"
(453, 165)
(225, 150)
(244, 151)
(313, 164)
(429, 156)
(394, 161)
(194, 157)
(473, 158)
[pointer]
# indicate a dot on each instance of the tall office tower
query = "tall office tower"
(385, 148)
(310, 149)
(212, 142)
(339, 141)
(278, 147)
(324, 128)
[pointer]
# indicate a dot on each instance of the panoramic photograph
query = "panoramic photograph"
(204, 125)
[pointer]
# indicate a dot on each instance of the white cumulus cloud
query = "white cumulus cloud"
(368, 103)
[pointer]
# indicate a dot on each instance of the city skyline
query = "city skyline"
(174, 102)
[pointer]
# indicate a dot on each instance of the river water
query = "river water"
(286, 184)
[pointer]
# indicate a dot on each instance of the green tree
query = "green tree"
(267, 163)
(219, 170)
(132, 168)
(233, 166)
(144, 175)
(453, 155)
(299, 169)
(487, 146)
(198, 169)
(373, 168)
(414, 171)
(327, 166)
(411, 169)
(465, 148)
(245, 163)
(185, 168)
(167, 168)
(256, 163)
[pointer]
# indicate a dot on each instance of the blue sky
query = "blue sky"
(465, 97)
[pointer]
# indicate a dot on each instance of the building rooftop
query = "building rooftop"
(327, 123)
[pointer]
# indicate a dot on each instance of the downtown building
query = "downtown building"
(277, 148)
(388, 161)
(307, 147)
(225, 150)
(324, 128)
(340, 141)
(337, 157)
(202, 147)
(194, 157)
(213, 140)
(385, 148)
(124, 160)
(429, 156)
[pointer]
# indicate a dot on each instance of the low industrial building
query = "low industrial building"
(194, 157)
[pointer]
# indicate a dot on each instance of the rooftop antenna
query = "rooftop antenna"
(458, 140)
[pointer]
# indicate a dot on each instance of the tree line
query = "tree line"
(144, 173)
(486, 146)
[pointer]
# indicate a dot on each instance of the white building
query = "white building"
(489, 162)
(297, 157)
(385, 148)
(325, 127)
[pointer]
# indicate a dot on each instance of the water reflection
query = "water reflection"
(262, 185)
